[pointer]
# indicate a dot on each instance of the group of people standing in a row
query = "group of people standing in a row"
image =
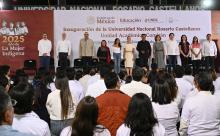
(160, 52)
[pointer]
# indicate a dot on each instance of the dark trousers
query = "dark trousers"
(143, 61)
(172, 62)
(209, 62)
(196, 66)
(184, 60)
(45, 62)
(86, 60)
(63, 61)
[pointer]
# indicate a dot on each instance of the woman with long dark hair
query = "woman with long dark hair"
(60, 105)
(117, 55)
(140, 119)
(85, 120)
(104, 53)
(184, 50)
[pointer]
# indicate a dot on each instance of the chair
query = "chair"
(30, 66)
(78, 63)
(93, 63)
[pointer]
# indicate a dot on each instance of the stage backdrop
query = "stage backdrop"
(111, 24)
(21, 44)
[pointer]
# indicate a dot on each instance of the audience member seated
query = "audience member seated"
(85, 120)
(136, 85)
(122, 75)
(74, 85)
(39, 75)
(184, 87)
(165, 109)
(6, 116)
(128, 79)
(25, 120)
(4, 83)
(113, 104)
(98, 88)
(41, 93)
(140, 119)
(61, 104)
(95, 76)
(20, 77)
(188, 74)
(5, 71)
(85, 78)
(153, 74)
(201, 113)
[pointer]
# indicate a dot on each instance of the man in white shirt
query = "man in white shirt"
(44, 48)
(136, 85)
(4, 29)
(23, 29)
(84, 80)
(171, 51)
(209, 52)
(63, 50)
(188, 74)
(201, 113)
(25, 120)
(98, 88)
(184, 87)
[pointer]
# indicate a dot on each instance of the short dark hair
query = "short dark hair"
(4, 69)
(86, 70)
(138, 74)
(111, 80)
(208, 35)
(104, 70)
(161, 92)
(4, 81)
(205, 81)
(70, 73)
(4, 103)
(178, 71)
(188, 70)
(23, 93)
(171, 34)
(78, 74)
(154, 66)
(122, 75)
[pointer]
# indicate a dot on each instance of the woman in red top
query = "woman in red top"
(104, 53)
(184, 50)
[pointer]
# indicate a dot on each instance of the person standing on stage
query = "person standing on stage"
(104, 53)
(144, 49)
(129, 56)
(117, 55)
(44, 48)
(63, 50)
(159, 52)
(86, 48)
(172, 51)
(184, 50)
(209, 52)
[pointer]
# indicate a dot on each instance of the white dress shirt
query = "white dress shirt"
(44, 46)
(209, 48)
(158, 130)
(116, 49)
(136, 87)
(96, 88)
(54, 107)
(184, 87)
(93, 79)
(64, 47)
(97, 132)
(31, 123)
(76, 89)
(201, 115)
(216, 83)
(172, 48)
(84, 82)
(189, 78)
(168, 116)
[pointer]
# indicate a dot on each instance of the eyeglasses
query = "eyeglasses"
(13, 102)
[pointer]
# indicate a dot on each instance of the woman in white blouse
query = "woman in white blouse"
(117, 55)
(140, 119)
(60, 104)
(165, 109)
(85, 120)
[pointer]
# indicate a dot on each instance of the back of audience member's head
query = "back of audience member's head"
(86, 70)
(140, 117)
(22, 78)
(205, 82)
(70, 73)
(40, 73)
(5, 70)
(138, 74)
(6, 109)
(122, 75)
(128, 79)
(92, 72)
(178, 71)
(161, 92)
(4, 82)
(78, 75)
(103, 70)
(154, 66)
(188, 70)
(85, 120)
(23, 93)
(213, 74)
(112, 81)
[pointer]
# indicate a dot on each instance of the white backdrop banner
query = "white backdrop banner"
(108, 25)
